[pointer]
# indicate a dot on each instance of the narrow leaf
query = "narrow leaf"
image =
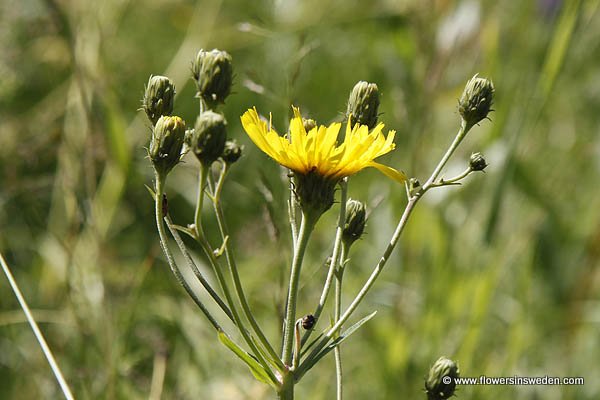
(309, 363)
(257, 369)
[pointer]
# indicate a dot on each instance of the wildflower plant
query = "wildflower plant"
(320, 160)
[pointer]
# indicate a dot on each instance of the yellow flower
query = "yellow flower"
(317, 151)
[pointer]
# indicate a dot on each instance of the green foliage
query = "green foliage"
(500, 274)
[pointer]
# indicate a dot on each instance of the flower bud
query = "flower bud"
(166, 143)
(308, 321)
(232, 152)
(477, 162)
(476, 100)
(440, 383)
(363, 104)
(158, 97)
(207, 141)
(213, 74)
(356, 218)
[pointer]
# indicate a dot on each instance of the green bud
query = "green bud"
(477, 162)
(440, 383)
(166, 143)
(356, 218)
(476, 100)
(363, 104)
(158, 97)
(213, 74)
(232, 152)
(207, 141)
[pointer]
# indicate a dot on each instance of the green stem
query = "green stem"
(165, 248)
(306, 227)
(452, 181)
(195, 269)
(462, 132)
(336, 315)
(234, 270)
(202, 179)
(286, 391)
(334, 257)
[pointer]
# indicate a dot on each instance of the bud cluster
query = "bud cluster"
(207, 139)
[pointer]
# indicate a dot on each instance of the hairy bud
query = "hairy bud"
(477, 162)
(158, 98)
(440, 383)
(476, 100)
(166, 143)
(363, 104)
(356, 218)
(213, 73)
(232, 152)
(207, 141)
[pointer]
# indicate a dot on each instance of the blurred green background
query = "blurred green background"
(500, 274)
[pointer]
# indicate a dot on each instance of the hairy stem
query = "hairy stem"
(229, 255)
(306, 227)
(334, 257)
(165, 248)
(336, 316)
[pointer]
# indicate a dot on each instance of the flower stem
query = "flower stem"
(336, 315)
(286, 391)
(160, 180)
(334, 257)
(235, 277)
(202, 179)
(462, 132)
(306, 227)
(196, 271)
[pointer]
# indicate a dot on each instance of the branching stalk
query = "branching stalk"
(164, 245)
(229, 255)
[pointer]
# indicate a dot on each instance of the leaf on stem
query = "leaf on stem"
(255, 367)
(309, 363)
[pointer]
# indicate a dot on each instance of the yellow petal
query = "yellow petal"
(390, 172)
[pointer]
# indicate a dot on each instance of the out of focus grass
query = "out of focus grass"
(500, 274)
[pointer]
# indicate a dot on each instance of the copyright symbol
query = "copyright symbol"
(447, 380)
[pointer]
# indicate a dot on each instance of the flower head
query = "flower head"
(318, 151)
(316, 157)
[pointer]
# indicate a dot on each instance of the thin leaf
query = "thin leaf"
(309, 363)
(257, 369)
(151, 191)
